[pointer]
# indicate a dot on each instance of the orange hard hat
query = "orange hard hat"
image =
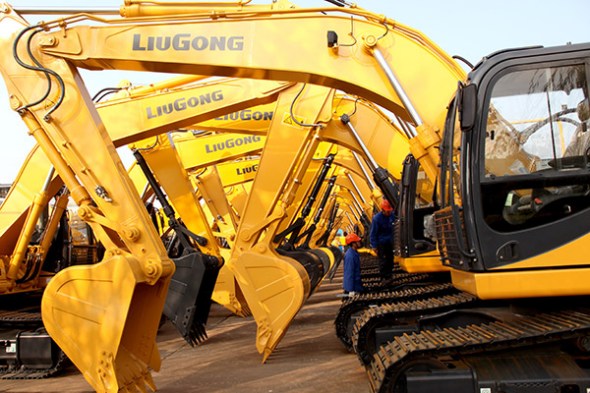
(386, 206)
(353, 237)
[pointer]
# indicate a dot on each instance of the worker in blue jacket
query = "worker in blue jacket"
(352, 265)
(381, 239)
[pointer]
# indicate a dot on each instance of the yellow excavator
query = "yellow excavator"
(370, 50)
(194, 151)
(513, 201)
(37, 167)
(225, 146)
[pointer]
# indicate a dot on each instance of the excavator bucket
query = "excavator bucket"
(189, 295)
(275, 289)
(106, 321)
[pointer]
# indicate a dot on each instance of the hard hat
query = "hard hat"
(385, 206)
(352, 237)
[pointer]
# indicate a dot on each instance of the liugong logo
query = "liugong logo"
(186, 42)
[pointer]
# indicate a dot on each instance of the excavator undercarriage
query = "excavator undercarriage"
(495, 348)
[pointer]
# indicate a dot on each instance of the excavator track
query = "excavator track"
(425, 349)
(363, 334)
(19, 317)
(24, 372)
(370, 274)
(375, 284)
(358, 303)
(26, 350)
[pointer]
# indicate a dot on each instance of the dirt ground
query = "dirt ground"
(309, 358)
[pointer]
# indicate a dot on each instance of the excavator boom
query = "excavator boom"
(235, 45)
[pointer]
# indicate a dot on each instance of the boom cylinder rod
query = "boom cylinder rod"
(356, 188)
(356, 201)
(368, 178)
(380, 175)
(350, 220)
(358, 208)
(399, 90)
(370, 160)
(354, 212)
(403, 125)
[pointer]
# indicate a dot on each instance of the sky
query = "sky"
(468, 28)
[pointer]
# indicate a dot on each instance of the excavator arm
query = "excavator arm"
(128, 288)
(182, 107)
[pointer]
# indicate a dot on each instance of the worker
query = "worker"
(352, 283)
(381, 238)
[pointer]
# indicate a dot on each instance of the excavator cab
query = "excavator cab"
(520, 205)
